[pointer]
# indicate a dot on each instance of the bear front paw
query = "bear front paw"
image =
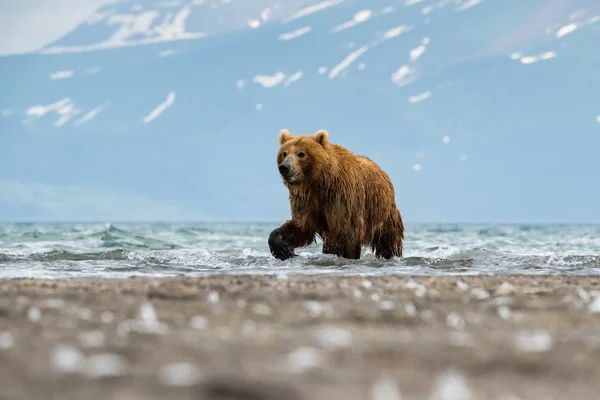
(279, 248)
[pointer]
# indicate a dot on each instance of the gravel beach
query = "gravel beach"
(301, 337)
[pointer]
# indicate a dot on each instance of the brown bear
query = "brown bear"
(346, 199)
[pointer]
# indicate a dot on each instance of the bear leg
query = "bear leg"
(283, 240)
(388, 240)
(344, 250)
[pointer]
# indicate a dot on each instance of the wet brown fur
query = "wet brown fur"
(346, 199)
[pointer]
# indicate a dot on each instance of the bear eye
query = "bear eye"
(301, 155)
(284, 154)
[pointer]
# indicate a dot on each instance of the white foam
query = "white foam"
(468, 4)
(293, 78)
(268, 81)
(295, 34)
(62, 74)
(358, 18)
(312, 9)
(347, 61)
(160, 108)
(90, 114)
(419, 97)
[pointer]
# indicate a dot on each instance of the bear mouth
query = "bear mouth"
(291, 178)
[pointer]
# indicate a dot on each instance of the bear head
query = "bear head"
(300, 156)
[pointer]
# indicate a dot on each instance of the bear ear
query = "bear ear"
(284, 136)
(322, 137)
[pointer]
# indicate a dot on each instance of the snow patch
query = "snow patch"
(167, 53)
(293, 78)
(160, 108)
(411, 2)
(467, 4)
(62, 74)
(417, 52)
(312, 9)
(171, 29)
(393, 32)
(358, 18)
(254, 23)
(268, 81)
(540, 57)
(565, 30)
(347, 61)
(90, 114)
(420, 97)
(64, 107)
(295, 34)
(404, 75)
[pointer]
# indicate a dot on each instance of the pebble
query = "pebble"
(6, 340)
(331, 336)
(533, 341)
(67, 358)
(92, 339)
(213, 297)
(179, 374)
(385, 388)
(480, 294)
(594, 306)
(106, 365)
(199, 322)
(304, 358)
(505, 289)
(410, 309)
(34, 314)
(455, 321)
(451, 385)
(107, 317)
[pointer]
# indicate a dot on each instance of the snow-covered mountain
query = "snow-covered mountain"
(478, 109)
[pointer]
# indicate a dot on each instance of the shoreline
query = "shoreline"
(301, 337)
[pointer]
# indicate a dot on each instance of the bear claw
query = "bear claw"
(279, 248)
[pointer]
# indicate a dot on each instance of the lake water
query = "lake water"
(120, 250)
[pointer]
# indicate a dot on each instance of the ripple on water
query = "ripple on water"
(55, 250)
